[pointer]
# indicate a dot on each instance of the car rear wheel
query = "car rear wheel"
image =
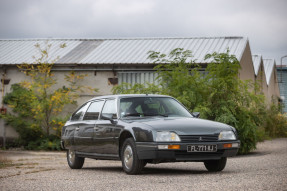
(215, 165)
(130, 162)
(74, 161)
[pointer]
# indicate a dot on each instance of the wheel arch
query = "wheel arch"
(123, 136)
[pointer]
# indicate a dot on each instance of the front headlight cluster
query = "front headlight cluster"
(226, 135)
(166, 136)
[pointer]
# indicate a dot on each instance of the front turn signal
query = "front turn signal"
(173, 146)
(228, 145)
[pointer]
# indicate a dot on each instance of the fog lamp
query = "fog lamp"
(230, 145)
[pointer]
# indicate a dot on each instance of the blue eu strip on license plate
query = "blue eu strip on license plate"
(201, 148)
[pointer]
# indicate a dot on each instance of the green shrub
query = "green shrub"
(31, 135)
(45, 144)
(276, 123)
(218, 94)
(38, 102)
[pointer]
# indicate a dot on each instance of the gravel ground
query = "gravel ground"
(263, 169)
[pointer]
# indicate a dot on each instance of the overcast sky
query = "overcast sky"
(264, 22)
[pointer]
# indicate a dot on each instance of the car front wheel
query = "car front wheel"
(130, 162)
(215, 165)
(74, 161)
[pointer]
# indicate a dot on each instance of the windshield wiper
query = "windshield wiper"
(144, 114)
(155, 114)
(132, 114)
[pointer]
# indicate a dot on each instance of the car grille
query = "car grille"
(198, 138)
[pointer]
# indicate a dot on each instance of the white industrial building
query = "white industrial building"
(113, 61)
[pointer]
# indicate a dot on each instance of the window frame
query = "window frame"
(84, 112)
(188, 112)
(91, 102)
(116, 109)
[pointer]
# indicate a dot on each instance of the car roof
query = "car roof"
(126, 95)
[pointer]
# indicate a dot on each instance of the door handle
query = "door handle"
(77, 129)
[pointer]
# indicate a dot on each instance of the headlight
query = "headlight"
(226, 135)
(166, 136)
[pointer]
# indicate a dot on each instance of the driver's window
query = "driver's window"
(110, 109)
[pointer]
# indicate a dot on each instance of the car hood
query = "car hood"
(184, 126)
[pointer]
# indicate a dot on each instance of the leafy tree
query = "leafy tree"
(20, 99)
(38, 103)
(216, 92)
(231, 100)
(180, 76)
(127, 88)
(275, 123)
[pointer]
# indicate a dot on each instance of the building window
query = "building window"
(138, 78)
(143, 77)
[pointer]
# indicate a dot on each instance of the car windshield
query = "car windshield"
(152, 106)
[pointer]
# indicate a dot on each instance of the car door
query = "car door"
(106, 130)
(74, 126)
(87, 127)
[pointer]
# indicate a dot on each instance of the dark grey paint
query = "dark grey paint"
(101, 137)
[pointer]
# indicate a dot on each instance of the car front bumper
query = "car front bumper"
(151, 151)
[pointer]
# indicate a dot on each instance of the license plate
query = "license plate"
(201, 148)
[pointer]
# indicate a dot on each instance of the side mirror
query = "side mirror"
(108, 116)
(195, 114)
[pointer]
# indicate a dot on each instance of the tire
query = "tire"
(215, 165)
(74, 161)
(130, 162)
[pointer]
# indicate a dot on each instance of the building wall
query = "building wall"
(247, 70)
(282, 79)
(261, 80)
(276, 88)
(95, 80)
(273, 94)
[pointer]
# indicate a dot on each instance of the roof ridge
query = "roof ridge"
(132, 38)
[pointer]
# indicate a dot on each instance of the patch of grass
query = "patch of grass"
(40, 170)
(4, 162)
(22, 159)
(32, 163)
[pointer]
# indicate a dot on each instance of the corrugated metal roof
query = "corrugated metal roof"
(133, 51)
(118, 51)
(257, 60)
(19, 51)
(268, 68)
(80, 52)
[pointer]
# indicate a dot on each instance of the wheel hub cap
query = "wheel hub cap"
(71, 156)
(128, 157)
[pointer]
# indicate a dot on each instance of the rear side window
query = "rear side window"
(94, 110)
(80, 112)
